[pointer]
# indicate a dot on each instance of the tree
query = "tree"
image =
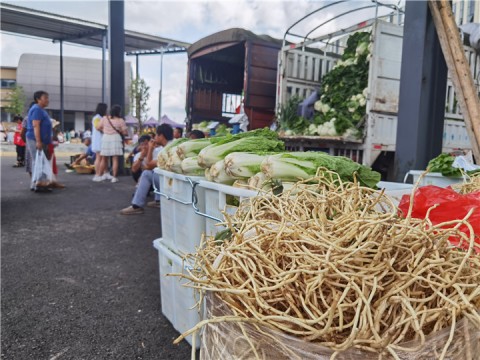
(139, 95)
(16, 99)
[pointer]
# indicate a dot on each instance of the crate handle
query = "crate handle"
(406, 177)
(168, 197)
(195, 201)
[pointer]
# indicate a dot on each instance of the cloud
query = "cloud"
(183, 20)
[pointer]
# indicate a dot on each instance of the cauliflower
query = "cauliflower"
(362, 48)
(327, 129)
(350, 133)
(312, 130)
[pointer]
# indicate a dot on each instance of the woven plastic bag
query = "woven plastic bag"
(233, 340)
(42, 173)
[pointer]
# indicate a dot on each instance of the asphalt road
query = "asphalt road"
(79, 280)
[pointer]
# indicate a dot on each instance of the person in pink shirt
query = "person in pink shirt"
(114, 129)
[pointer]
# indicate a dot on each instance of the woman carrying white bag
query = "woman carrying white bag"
(42, 173)
(39, 136)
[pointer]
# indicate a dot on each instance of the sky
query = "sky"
(182, 20)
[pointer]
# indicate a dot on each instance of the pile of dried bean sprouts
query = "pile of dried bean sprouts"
(469, 186)
(332, 263)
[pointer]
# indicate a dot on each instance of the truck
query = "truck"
(300, 70)
(228, 69)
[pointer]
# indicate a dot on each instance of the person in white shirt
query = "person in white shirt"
(163, 136)
(139, 161)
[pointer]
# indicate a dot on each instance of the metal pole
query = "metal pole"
(421, 109)
(104, 72)
(136, 67)
(116, 45)
(161, 84)
(62, 125)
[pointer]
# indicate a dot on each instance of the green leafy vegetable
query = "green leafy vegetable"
(343, 89)
(303, 165)
(242, 164)
(443, 164)
(262, 140)
(190, 167)
(289, 120)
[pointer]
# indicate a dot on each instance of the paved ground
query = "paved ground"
(79, 281)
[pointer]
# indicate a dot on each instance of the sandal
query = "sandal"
(56, 185)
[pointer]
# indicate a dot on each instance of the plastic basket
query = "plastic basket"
(182, 229)
(395, 190)
(217, 200)
(178, 301)
(84, 169)
(432, 178)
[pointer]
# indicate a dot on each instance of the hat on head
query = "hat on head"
(55, 123)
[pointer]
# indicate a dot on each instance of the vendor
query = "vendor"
(139, 155)
(87, 157)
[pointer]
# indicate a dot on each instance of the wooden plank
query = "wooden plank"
(262, 102)
(459, 69)
(262, 56)
(263, 74)
(262, 88)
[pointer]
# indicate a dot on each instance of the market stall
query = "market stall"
(335, 217)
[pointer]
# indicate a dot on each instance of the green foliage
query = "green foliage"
(343, 87)
(289, 120)
(16, 99)
(291, 166)
(139, 95)
(443, 164)
(260, 140)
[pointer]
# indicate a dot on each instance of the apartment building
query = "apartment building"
(82, 86)
(466, 11)
(8, 78)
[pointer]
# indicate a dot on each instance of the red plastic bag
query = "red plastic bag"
(451, 206)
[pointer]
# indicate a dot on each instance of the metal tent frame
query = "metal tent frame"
(58, 28)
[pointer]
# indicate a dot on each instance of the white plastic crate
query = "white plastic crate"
(177, 300)
(215, 202)
(216, 199)
(395, 190)
(182, 229)
(433, 178)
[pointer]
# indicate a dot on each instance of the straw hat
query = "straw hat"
(55, 123)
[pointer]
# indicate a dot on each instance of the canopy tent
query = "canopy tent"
(166, 120)
(151, 122)
(131, 120)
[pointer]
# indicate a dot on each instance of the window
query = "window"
(88, 120)
(470, 10)
(230, 102)
(8, 84)
(462, 8)
(68, 118)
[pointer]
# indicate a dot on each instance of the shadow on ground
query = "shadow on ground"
(79, 281)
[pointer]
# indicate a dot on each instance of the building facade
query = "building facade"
(466, 11)
(82, 81)
(8, 76)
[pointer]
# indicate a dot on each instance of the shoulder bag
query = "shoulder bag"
(119, 133)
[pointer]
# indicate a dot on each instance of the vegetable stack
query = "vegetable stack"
(333, 264)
